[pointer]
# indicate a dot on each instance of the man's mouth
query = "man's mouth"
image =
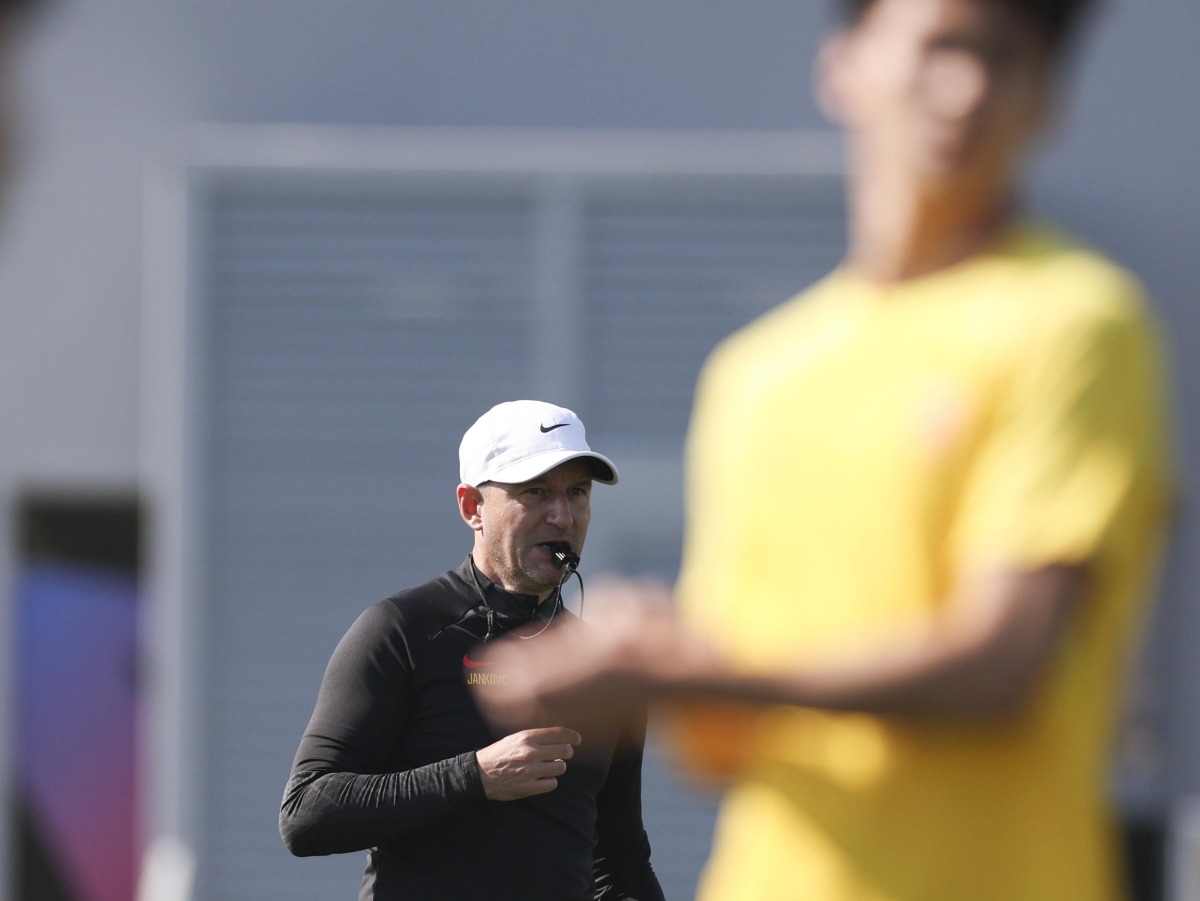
(561, 555)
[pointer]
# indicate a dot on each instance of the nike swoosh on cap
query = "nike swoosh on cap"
(551, 428)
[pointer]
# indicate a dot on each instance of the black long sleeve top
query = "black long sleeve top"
(387, 765)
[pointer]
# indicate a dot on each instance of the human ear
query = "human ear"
(470, 499)
(831, 78)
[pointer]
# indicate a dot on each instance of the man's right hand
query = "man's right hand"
(526, 763)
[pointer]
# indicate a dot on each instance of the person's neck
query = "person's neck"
(898, 233)
(480, 562)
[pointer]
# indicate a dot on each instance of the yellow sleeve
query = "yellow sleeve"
(1077, 456)
(711, 528)
(688, 589)
(712, 741)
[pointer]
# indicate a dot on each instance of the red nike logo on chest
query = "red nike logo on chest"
(474, 664)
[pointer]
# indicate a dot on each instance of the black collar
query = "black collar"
(509, 608)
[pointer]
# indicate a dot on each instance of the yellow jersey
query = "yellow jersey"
(853, 456)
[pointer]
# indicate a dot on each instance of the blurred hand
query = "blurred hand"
(526, 763)
(586, 674)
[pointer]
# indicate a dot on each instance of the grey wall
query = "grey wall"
(103, 82)
(107, 83)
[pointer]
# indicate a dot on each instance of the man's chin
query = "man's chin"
(539, 580)
(548, 578)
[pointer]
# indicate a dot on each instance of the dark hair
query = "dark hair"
(1055, 20)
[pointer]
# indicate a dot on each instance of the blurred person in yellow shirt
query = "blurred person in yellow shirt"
(926, 499)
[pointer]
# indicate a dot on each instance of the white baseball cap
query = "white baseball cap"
(520, 439)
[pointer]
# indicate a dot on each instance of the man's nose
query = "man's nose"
(558, 511)
(961, 84)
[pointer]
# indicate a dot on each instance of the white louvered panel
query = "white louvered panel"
(353, 329)
(675, 265)
(353, 337)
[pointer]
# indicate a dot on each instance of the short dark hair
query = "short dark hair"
(1055, 20)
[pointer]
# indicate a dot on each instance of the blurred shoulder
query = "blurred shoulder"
(784, 325)
(1076, 281)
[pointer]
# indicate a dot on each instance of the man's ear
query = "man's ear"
(470, 499)
(831, 76)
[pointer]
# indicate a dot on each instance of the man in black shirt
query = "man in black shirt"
(397, 760)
